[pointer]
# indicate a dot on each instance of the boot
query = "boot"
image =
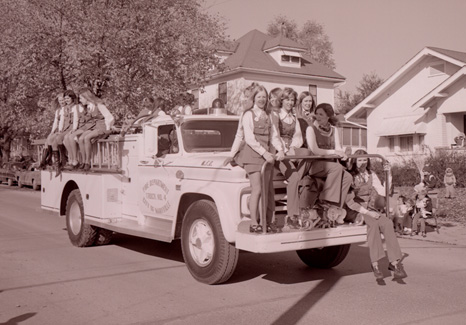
(46, 156)
(57, 163)
(63, 155)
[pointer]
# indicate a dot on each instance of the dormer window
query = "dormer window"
(290, 58)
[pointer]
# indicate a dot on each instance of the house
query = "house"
(423, 104)
(271, 61)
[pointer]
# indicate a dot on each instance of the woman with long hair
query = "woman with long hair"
(323, 139)
(363, 199)
(103, 123)
(259, 133)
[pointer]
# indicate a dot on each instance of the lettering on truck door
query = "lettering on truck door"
(158, 196)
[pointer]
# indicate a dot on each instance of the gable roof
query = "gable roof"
(454, 57)
(249, 54)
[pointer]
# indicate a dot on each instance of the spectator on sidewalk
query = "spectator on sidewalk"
(450, 182)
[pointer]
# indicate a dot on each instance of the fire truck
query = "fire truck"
(167, 180)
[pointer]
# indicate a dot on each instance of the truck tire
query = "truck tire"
(209, 257)
(80, 233)
(10, 182)
(35, 187)
(324, 258)
(104, 237)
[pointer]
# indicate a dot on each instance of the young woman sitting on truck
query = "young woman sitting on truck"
(259, 133)
(363, 200)
(68, 120)
(57, 105)
(322, 139)
(103, 123)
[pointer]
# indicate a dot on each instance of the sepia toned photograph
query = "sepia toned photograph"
(233, 162)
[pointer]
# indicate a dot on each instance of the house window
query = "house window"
(391, 144)
(291, 58)
(354, 137)
(222, 92)
(406, 143)
(436, 69)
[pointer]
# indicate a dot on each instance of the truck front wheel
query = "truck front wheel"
(80, 233)
(324, 258)
(209, 257)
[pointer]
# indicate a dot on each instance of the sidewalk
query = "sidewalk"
(449, 232)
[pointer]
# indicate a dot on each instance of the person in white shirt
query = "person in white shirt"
(104, 122)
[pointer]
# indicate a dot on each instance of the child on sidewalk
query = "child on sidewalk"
(450, 182)
(422, 211)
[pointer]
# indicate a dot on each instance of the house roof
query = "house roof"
(282, 41)
(454, 57)
(249, 54)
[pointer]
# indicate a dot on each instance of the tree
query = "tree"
(347, 101)
(312, 36)
(123, 50)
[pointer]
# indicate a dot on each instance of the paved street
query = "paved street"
(46, 280)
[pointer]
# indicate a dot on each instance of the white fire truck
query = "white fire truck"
(168, 181)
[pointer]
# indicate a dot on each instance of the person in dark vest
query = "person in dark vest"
(323, 139)
(366, 198)
(103, 123)
(260, 135)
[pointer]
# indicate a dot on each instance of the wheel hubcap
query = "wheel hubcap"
(75, 218)
(201, 243)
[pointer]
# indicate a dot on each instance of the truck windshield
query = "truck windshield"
(204, 136)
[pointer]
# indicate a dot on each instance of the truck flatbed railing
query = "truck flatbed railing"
(263, 207)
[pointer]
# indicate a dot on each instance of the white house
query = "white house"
(421, 104)
(271, 61)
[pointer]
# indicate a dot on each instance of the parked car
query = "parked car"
(29, 177)
(8, 172)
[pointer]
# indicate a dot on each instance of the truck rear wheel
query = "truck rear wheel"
(324, 258)
(209, 257)
(80, 233)
(104, 237)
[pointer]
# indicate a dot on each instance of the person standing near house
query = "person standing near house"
(360, 201)
(259, 134)
(450, 182)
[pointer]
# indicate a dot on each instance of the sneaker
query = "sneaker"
(398, 271)
(424, 234)
(377, 273)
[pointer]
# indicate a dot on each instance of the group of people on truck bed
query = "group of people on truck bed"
(280, 123)
(82, 118)
(79, 120)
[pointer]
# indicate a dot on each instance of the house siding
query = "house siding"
(398, 100)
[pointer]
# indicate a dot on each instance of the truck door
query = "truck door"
(157, 179)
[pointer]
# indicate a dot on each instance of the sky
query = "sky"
(367, 35)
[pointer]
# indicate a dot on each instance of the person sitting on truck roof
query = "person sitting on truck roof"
(152, 108)
(103, 125)
(366, 199)
(259, 133)
(57, 105)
